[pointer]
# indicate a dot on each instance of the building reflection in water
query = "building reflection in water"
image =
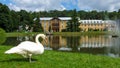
(98, 44)
(76, 42)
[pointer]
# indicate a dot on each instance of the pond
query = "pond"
(91, 44)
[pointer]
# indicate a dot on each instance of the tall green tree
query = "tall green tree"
(15, 20)
(5, 17)
(73, 24)
(25, 18)
(82, 14)
(37, 27)
(113, 15)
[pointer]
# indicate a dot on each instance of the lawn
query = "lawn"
(14, 34)
(82, 33)
(57, 59)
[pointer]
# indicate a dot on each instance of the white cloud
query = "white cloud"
(110, 5)
(41, 5)
(36, 5)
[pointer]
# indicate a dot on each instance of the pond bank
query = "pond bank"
(81, 33)
(14, 34)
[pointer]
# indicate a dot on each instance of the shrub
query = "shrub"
(2, 36)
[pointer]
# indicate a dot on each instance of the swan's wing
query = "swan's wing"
(27, 44)
(13, 50)
(30, 47)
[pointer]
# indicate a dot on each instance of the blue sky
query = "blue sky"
(41, 5)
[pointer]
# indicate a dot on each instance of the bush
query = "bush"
(2, 36)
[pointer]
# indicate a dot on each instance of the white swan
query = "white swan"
(28, 48)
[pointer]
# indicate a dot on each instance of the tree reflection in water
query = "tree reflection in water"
(54, 42)
(73, 42)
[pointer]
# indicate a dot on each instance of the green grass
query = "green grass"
(14, 34)
(56, 59)
(82, 33)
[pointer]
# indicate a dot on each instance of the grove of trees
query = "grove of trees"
(73, 24)
(11, 20)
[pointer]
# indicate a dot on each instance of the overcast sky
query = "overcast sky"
(41, 5)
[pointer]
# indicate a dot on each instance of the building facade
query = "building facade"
(57, 24)
(51, 24)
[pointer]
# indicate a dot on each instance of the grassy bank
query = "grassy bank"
(14, 34)
(57, 33)
(55, 59)
(81, 33)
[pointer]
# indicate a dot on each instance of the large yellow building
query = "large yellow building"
(54, 24)
(101, 25)
(57, 24)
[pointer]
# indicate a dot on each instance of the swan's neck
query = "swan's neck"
(37, 39)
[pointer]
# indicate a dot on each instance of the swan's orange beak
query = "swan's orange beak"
(46, 39)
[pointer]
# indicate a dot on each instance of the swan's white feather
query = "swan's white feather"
(28, 48)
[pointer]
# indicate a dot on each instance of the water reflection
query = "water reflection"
(114, 49)
(78, 42)
(73, 42)
(99, 44)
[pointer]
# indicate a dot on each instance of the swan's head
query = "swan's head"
(43, 36)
